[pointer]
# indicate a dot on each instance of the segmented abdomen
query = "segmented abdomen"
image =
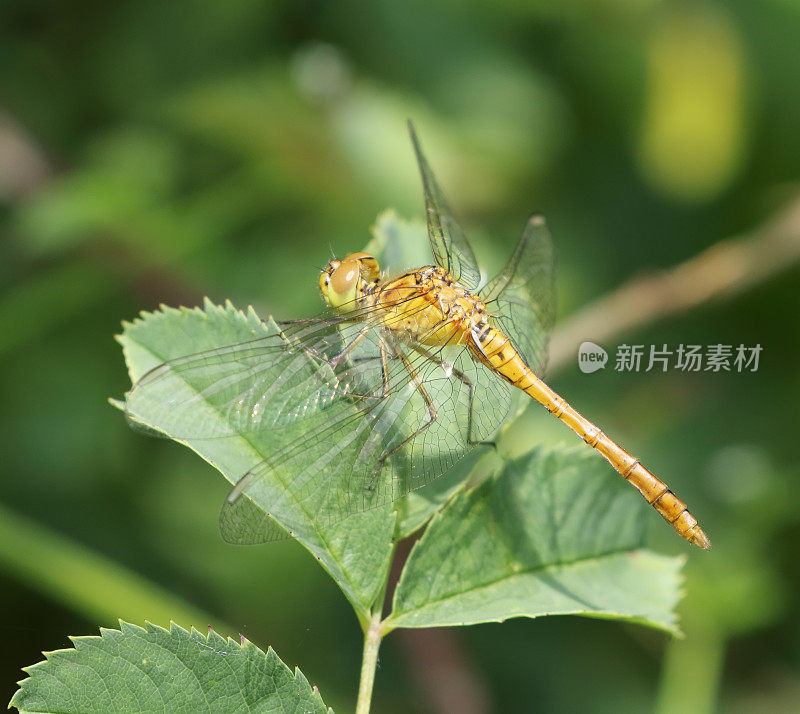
(494, 349)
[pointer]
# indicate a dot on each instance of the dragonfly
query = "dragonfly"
(387, 389)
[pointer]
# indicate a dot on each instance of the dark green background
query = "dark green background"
(162, 151)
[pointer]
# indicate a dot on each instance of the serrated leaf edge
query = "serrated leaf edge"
(128, 628)
(250, 317)
(580, 453)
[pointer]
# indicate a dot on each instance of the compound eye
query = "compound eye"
(343, 279)
(370, 268)
(324, 281)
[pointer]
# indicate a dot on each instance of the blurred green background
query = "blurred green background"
(162, 151)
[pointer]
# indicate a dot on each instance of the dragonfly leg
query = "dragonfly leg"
(386, 387)
(349, 348)
(364, 358)
(471, 387)
(332, 361)
(433, 414)
(383, 356)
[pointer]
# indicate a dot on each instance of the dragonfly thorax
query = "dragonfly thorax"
(429, 306)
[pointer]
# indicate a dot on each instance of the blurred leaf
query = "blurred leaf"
(692, 138)
(356, 552)
(97, 587)
(33, 307)
(260, 121)
(555, 533)
(740, 590)
(399, 244)
(126, 174)
(152, 669)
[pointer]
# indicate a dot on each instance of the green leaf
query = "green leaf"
(556, 532)
(89, 583)
(357, 551)
(417, 507)
(151, 669)
(399, 244)
(128, 174)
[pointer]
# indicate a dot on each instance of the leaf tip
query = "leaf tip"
(117, 403)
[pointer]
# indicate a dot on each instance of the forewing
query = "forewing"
(350, 461)
(471, 403)
(312, 477)
(266, 384)
(521, 297)
(450, 247)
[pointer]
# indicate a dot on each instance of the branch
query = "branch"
(721, 271)
(24, 167)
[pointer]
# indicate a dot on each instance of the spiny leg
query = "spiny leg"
(334, 361)
(470, 386)
(360, 359)
(384, 354)
(398, 352)
(349, 348)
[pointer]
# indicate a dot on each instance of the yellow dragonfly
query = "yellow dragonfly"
(387, 389)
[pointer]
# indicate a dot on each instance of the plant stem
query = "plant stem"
(369, 663)
(691, 673)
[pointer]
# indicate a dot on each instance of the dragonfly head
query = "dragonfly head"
(344, 282)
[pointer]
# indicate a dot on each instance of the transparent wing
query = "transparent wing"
(360, 455)
(521, 296)
(258, 386)
(450, 247)
(341, 412)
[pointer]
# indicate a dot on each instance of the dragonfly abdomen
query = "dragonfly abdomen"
(495, 350)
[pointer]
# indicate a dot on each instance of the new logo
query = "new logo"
(591, 357)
